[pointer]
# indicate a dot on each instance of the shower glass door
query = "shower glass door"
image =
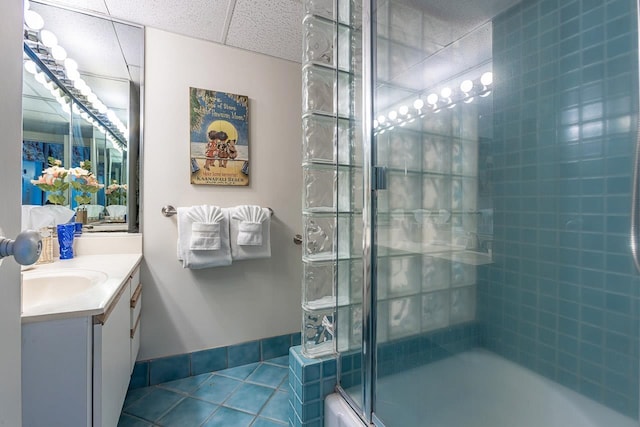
(503, 137)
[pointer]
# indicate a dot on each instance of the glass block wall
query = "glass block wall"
(332, 174)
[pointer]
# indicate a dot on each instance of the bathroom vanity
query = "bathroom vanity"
(80, 339)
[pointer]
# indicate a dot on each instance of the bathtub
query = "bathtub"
(476, 388)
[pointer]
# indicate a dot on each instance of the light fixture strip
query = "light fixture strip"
(58, 81)
(51, 75)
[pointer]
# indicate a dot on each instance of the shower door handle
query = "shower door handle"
(379, 178)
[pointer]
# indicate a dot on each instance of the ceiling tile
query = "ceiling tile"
(270, 27)
(203, 19)
(88, 5)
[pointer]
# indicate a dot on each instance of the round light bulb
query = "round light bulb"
(381, 119)
(102, 108)
(70, 64)
(375, 123)
(79, 84)
(48, 38)
(446, 92)
(40, 77)
(404, 110)
(30, 66)
(33, 20)
(102, 130)
(487, 78)
(85, 90)
(466, 86)
(73, 75)
(92, 98)
(84, 115)
(432, 99)
(393, 115)
(58, 53)
(65, 108)
(418, 104)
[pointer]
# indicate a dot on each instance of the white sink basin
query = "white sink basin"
(57, 286)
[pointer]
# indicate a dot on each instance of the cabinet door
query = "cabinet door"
(111, 363)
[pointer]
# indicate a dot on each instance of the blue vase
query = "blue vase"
(65, 239)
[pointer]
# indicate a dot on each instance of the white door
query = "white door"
(10, 193)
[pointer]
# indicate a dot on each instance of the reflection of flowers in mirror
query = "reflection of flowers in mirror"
(53, 180)
(85, 182)
(116, 193)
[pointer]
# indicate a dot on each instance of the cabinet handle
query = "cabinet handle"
(135, 327)
(136, 296)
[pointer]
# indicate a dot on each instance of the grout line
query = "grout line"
(227, 21)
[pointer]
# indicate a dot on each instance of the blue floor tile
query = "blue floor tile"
(281, 361)
(263, 422)
(154, 405)
(189, 412)
(268, 375)
(239, 372)
(277, 407)
(249, 398)
(186, 385)
(135, 394)
(229, 417)
(228, 398)
(129, 421)
(217, 389)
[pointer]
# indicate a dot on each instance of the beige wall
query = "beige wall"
(10, 153)
(187, 310)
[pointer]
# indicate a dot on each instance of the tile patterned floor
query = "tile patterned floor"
(254, 395)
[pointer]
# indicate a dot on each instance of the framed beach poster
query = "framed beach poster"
(219, 137)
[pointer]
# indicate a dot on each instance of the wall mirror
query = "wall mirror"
(82, 84)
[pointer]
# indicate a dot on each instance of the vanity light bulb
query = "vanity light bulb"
(375, 123)
(111, 115)
(432, 99)
(404, 110)
(85, 90)
(418, 104)
(102, 130)
(33, 20)
(446, 92)
(466, 86)
(40, 78)
(487, 78)
(92, 98)
(65, 108)
(58, 53)
(102, 108)
(73, 75)
(84, 115)
(30, 66)
(48, 38)
(381, 119)
(70, 64)
(393, 115)
(79, 84)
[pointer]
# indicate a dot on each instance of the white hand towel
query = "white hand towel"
(205, 229)
(250, 232)
(197, 259)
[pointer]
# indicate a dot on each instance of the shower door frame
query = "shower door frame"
(371, 185)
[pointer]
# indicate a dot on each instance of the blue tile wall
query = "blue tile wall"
(562, 296)
(156, 371)
(310, 381)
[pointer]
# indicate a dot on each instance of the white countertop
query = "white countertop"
(117, 267)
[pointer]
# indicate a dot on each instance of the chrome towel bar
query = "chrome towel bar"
(169, 210)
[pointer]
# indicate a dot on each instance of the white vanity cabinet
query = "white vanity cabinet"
(76, 371)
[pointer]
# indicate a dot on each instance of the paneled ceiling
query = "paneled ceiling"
(271, 27)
